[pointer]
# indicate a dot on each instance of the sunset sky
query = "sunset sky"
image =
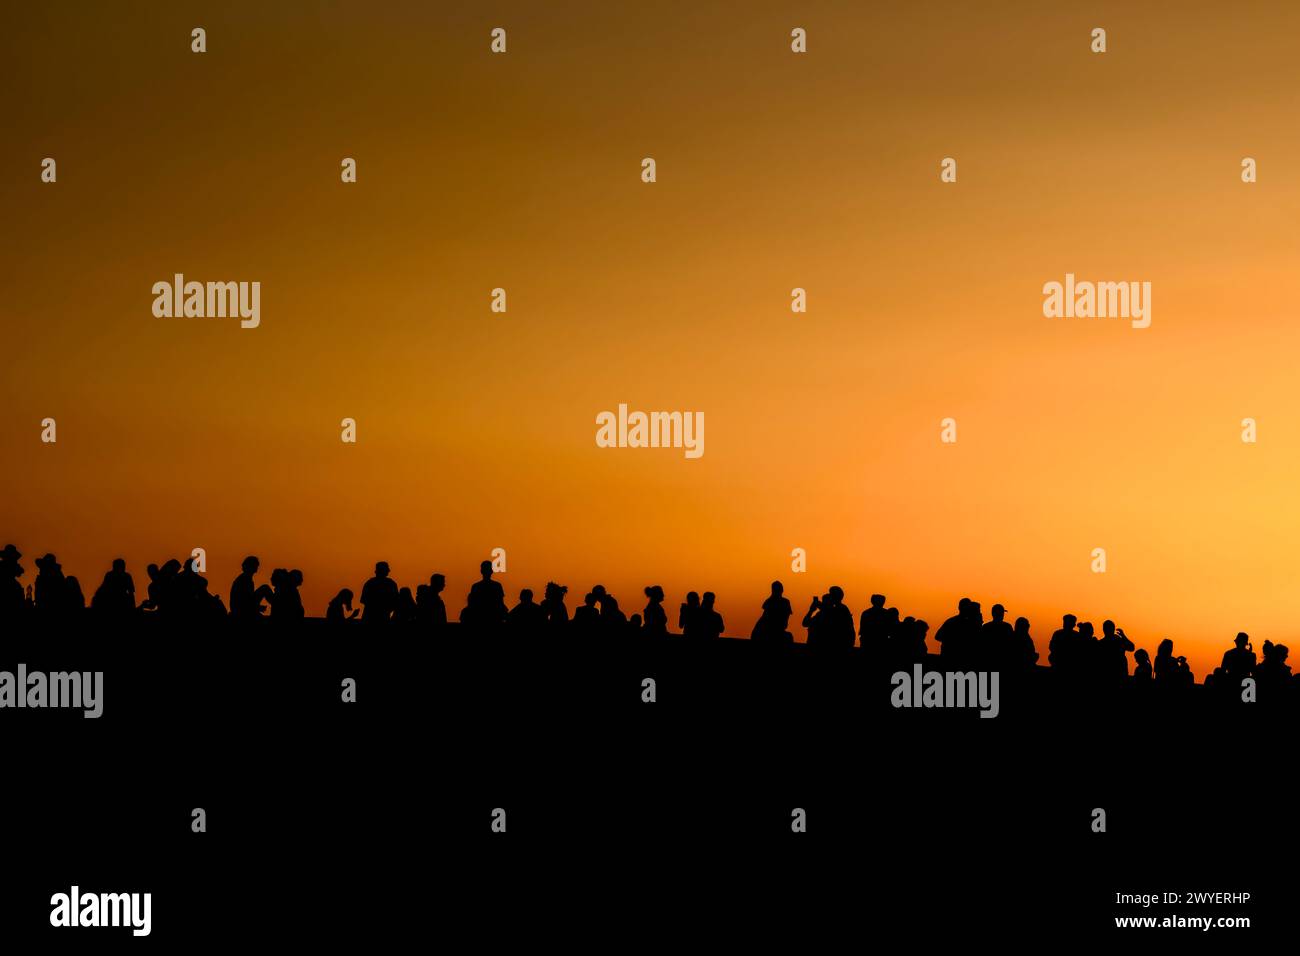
(775, 170)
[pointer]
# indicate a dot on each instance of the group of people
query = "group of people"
(176, 590)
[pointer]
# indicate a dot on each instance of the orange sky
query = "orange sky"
(774, 171)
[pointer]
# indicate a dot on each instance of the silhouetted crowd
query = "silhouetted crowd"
(176, 591)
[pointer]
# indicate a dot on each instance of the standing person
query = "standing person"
(378, 596)
(711, 625)
(485, 605)
(654, 618)
(773, 624)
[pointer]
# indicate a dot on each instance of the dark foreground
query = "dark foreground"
(627, 822)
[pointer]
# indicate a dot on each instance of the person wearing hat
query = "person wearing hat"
(997, 640)
(1239, 662)
(50, 584)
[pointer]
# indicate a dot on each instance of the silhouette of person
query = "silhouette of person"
(710, 621)
(339, 604)
(11, 590)
(1112, 651)
(1239, 662)
(773, 624)
(829, 622)
(378, 596)
(1273, 675)
(586, 618)
(189, 592)
(1166, 666)
(998, 640)
(1024, 654)
(874, 627)
(430, 609)
(1086, 658)
(655, 620)
(557, 614)
(153, 592)
(405, 611)
(1142, 674)
(914, 640)
(485, 607)
(688, 615)
(286, 602)
(526, 617)
(957, 635)
(116, 594)
(245, 596)
(209, 606)
(613, 622)
(814, 621)
(50, 584)
(73, 599)
(1062, 649)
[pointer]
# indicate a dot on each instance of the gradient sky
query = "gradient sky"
(774, 171)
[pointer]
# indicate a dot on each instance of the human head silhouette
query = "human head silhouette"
(1108, 627)
(1241, 639)
(250, 565)
(381, 569)
(1022, 625)
(345, 597)
(709, 598)
(589, 600)
(295, 578)
(526, 596)
(692, 599)
(485, 569)
(1069, 621)
(1166, 648)
(836, 594)
(877, 600)
(655, 593)
(777, 589)
(119, 565)
(998, 612)
(437, 582)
